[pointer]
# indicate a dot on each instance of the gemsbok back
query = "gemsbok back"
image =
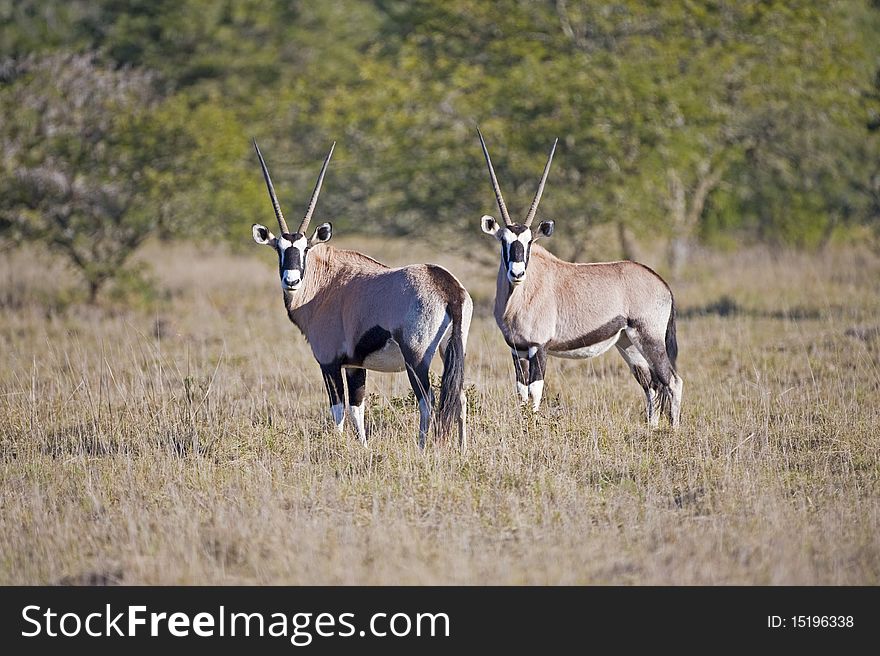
(358, 314)
(546, 306)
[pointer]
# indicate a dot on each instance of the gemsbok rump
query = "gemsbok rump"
(546, 306)
(358, 314)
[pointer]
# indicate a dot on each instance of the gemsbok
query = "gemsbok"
(547, 306)
(358, 314)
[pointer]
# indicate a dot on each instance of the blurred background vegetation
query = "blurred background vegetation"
(710, 124)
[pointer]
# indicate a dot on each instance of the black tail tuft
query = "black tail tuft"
(451, 384)
(671, 342)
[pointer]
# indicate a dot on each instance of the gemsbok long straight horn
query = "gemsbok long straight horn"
(534, 207)
(358, 314)
(282, 224)
(574, 310)
(314, 199)
(505, 216)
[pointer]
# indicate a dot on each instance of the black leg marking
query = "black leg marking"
(332, 374)
(642, 376)
(421, 384)
(521, 367)
(417, 369)
(356, 381)
(661, 369)
(537, 365)
(659, 392)
(641, 371)
(653, 349)
(357, 385)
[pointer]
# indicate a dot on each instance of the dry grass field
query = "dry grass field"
(185, 439)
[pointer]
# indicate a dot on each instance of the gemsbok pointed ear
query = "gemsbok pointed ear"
(322, 233)
(262, 235)
(545, 229)
(489, 225)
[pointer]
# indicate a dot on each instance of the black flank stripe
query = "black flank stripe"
(371, 341)
(600, 334)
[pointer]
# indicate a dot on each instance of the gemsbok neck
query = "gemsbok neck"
(329, 270)
(509, 297)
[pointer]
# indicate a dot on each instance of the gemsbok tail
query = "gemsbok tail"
(452, 382)
(671, 342)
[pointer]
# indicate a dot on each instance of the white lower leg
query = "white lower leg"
(652, 409)
(536, 390)
(676, 389)
(338, 412)
(523, 392)
(357, 416)
(462, 423)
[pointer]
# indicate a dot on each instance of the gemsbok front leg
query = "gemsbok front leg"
(537, 367)
(521, 368)
(356, 380)
(332, 374)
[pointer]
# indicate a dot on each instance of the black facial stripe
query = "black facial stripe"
(517, 252)
(292, 259)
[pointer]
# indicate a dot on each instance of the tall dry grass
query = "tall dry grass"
(186, 439)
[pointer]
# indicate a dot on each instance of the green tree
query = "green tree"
(715, 121)
(683, 119)
(74, 171)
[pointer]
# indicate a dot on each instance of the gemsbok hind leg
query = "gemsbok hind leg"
(332, 374)
(641, 371)
(676, 388)
(421, 384)
(356, 381)
(664, 379)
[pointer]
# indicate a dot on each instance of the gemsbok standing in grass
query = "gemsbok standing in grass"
(358, 314)
(546, 306)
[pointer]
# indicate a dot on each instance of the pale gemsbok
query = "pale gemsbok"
(358, 314)
(546, 306)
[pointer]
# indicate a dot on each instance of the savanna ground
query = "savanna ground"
(185, 439)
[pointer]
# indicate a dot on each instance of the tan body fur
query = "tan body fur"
(546, 306)
(358, 314)
(580, 310)
(561, 301)
(345, 293)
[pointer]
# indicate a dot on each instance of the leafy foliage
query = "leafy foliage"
(75, 164)
(716, 121)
